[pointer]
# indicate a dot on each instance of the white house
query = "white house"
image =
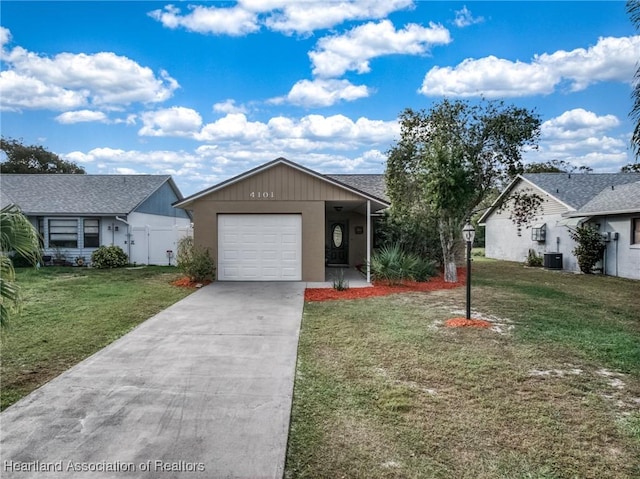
(570, 200)
(75, 214)
(616, 212)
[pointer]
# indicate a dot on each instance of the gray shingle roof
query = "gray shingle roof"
(577, 189)
(620, 199)
(369, 183)
(79, 194)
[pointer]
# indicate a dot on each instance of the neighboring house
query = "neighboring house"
(282, 221)
(75, 214)
(616, 211)
(564, 198)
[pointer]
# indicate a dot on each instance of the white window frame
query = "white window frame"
(92, 234)
(51, 232)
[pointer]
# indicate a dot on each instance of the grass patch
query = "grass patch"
(384, 390)
(70, 313)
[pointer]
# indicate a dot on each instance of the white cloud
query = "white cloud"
(5, 36)
(81, 116)
(307, 16)
(233, 21)
(578, 123)
(490, 77)
(126, 171)
(286, 16)
(69, 80)
(582, 138)
(335, 55)
(611, 59)
(175, 121)
(464, 18)
(19, 92)
(232, 127)
(321, 92)
(279, 135)
(229, 106)
(112, 158)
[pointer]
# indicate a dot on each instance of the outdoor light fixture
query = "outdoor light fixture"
(468, 234)
(337, 208)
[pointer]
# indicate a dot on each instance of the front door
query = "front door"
(338, 243)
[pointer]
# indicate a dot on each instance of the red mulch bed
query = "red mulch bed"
(383, 289)
(185, 282)
(466, 323)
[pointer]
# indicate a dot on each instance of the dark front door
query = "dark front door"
(338, 243)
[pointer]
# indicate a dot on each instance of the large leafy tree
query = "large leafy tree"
(555, 166)
(630, 168)
(33, 159)
(633, 8)
(17, 237)
(449, 158)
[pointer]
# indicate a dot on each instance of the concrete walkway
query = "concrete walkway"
(352, 275)
(201, 390)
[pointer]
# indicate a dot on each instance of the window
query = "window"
(91, 233)
(539, 232)
(635, 231)
(63, 233)
(41, 231)
(337, 236)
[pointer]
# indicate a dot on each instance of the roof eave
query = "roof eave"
(629, 211)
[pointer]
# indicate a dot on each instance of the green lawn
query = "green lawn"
(70, 313)
(383, 390)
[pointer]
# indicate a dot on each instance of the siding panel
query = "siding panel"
(286, 184)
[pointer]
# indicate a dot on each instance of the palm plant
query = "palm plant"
(17, 236)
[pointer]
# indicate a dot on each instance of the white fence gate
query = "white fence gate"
(152, 244)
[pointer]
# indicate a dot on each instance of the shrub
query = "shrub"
(340, 283)
(533, 259)
(106, 257)
(589, 249)
(391, 263)
(419, 237)
(424, 269)
(195, 261)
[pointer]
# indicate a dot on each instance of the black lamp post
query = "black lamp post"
(468, 233)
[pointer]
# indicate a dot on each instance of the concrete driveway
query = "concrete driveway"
(201, 390)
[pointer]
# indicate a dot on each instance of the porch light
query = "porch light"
(468, 232)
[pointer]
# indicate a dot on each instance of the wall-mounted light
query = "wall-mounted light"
(337, 208)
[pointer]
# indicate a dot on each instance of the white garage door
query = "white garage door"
(259, 247)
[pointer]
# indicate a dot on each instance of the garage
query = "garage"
(259, 247)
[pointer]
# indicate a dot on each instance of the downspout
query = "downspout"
(128, 236)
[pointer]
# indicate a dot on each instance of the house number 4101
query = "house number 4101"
(261, 194)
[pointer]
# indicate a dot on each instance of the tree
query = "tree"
(33, 159)
(630, 168)
(17, 237)
(633, 8)
(555, 166)
(590, 247)
(448, 159)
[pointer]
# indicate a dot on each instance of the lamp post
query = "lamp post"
(468, 233)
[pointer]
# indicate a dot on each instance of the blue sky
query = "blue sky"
(206, 90)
